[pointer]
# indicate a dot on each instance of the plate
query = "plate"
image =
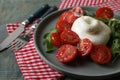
(78, 69)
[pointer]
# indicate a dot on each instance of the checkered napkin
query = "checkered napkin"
(30, 63)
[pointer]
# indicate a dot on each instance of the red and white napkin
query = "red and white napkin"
(30, 63)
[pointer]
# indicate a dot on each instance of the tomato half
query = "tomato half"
(65, 20)
(63, 25)
(71, 15)
(101, 54)
(66, 53)
(77, 11)
(85, 47)
(55, 39)
(104, 12)
(69, 37)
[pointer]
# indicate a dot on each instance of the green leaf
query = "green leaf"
(47, 41)
(115, 49)
(104, 20)
(46, 35)
(114, 42)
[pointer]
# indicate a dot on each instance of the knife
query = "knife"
(6, 42)
(25, 38)
(33, 27)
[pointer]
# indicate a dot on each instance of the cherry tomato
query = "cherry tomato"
(69, 37)
(63, 25)
(55, 39)
(85, 47)
(66, 53)
(77, 11)
(104, 12)
(66, 20)
(101, 54)
(70, 17)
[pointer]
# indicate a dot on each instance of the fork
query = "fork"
(22, 40)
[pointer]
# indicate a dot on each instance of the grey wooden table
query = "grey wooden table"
(12, 11)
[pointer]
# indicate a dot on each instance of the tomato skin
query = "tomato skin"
(63, 25)
(66, 53)
(70, 17)
(101, 54)
(85, 47)
(77, 11)
(104, 12)
(69, 37)
(55, 39)
(67, 18)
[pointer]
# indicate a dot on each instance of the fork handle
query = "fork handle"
(52, 9)
(37, 14)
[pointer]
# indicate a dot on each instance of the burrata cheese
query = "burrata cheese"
(87, 27)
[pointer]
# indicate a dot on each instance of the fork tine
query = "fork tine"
(14, 44)
(17, 42)
(12, 47)
(20, 45)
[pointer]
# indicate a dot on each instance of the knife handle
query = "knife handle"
(38, 13)
(52, 9)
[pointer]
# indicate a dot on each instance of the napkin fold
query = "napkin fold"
(30, 63)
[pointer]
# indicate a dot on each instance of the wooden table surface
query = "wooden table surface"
(12, 11)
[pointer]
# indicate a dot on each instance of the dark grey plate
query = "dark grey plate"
(84, 70)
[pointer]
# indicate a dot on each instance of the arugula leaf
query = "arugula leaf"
(114, 42)
(115, 49)
(103, 20)
(86, 13)
(47, 41)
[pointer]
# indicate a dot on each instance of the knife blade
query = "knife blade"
(6, 42)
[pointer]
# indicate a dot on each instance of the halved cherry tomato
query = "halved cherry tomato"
(77, 11)
(69, 37)
(65, 21)
(67, 18)
(101, 54)
(70, 17)
(66, 53)
(63, 25)
(104, 12)
(55, 39)
(85, 47)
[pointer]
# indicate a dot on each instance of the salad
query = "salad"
(80, 34)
